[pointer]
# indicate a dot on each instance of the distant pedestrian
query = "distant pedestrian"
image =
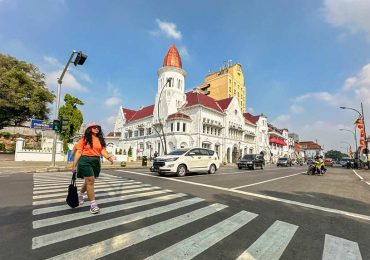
(155, 154)
(87, 160)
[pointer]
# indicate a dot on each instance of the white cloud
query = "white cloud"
(69, 81)
(297, 109)
(250, 110)
(359, 84)
(169, 29)
(55, 68)
(352, 15)
(111, 120)
(113, 101)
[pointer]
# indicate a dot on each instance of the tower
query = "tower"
(227, 82)
(171, 86)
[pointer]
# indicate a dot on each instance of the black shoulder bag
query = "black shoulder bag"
(72, 197)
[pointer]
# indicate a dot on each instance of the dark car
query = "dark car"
(251, 161)
(284, 161)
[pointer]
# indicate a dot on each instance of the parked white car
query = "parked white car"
(182, 161)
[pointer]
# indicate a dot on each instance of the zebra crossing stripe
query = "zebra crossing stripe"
(340, 249)
(83, 215)
(48, 186)
(100, 185)
(272, 243)
(53, 195)
(111, 193)
(53, 184)
(196, 244)
(123, 241)
(68, 181)
(37, 179)
(70, 233)
(101, 201)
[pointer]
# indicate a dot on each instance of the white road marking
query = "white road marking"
(78, 231)
(291, 202)
(106, 210)
(272, 243)
(100, 185)
(358, 175)
(45, 187)
(239, 187)
(196, 244)
(101, 201)
(110, 193)
(53, 195)
(340, 249)
(120, 242)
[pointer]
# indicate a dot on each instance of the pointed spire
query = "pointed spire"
(172, 58)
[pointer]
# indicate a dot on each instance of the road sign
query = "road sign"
(41, 124)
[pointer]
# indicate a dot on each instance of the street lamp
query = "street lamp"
(79, 60)
(354, 134)
(361, 114)
(159, 119)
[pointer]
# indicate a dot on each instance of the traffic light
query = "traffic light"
(80, 59)
(63, 124)
(56, 125)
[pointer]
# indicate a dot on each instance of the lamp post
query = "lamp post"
(354, 134)
(159, 119)
(79, 60)
(361, 114)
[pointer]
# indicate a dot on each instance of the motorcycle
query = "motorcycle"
(316, 168)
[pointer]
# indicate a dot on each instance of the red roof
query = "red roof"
(224, 103)
(178, 115)
(251, 118)
(196, 98)
(310, 145)
(172, 58)
(111, 134)
(136, 115)
(128, 113)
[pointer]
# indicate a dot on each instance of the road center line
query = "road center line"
(361, 178)
(239, 187)
(292, 202)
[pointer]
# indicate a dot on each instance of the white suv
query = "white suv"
(182, 161)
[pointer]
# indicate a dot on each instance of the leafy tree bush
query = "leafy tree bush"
(23, 92)
(2, 147)
(6, 135)
(129, 153)
(70, 112)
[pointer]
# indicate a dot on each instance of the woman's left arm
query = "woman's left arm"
(107, 156)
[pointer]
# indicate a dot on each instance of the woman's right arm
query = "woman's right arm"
(75, 161)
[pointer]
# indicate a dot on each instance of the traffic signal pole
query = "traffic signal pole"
(60, 80)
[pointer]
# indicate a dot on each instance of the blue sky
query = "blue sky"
(301, 59)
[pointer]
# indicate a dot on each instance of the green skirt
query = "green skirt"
(88, 166)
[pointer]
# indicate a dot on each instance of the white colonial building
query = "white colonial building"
(180, 119)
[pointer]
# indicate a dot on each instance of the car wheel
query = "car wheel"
(253, 167)
(261, 166)
(239, 167)
(181, 170)
(212, 169)
(160, 173)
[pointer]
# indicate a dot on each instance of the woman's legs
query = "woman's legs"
(89, 187)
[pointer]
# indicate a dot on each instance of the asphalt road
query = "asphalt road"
(274, 213)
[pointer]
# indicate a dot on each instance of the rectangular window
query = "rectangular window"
(184, 127)
(171, 127)
(142, 132)
(129, 134)
(178, 126)
(136, 133)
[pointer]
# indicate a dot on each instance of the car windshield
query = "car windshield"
(249, 157)
(283, 159)
(178, 152)
(346, 159)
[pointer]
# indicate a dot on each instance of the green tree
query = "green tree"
(336, 155)
(129, 153)
(23, 92)
(70, 112)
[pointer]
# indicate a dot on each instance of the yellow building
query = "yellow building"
(227, 82)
